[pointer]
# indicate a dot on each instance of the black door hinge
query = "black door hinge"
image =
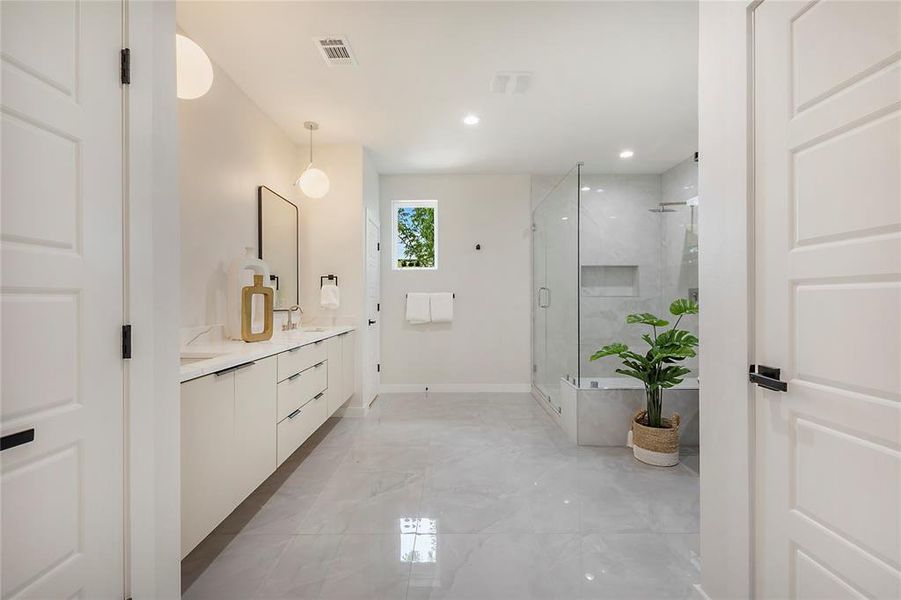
(378, 368)
(126, 341)
(125, 66)
(378, 246)
(378, 307)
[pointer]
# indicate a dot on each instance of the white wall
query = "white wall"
(332, 242)
(331, 233)
(725, 302)
(228, 147)
(488, 344)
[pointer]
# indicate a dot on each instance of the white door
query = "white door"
(373, 278)
(61, 300)
(828, 305)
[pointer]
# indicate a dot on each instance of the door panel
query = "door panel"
(61, 299)
(828, 281)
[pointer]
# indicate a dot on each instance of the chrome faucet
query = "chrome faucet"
(290, 324)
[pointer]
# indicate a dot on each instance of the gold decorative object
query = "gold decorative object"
(247, 294)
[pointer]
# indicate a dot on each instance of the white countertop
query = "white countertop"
(210, 357)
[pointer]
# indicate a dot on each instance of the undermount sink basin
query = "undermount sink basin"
(187, 358)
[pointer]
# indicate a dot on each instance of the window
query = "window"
(414, 234)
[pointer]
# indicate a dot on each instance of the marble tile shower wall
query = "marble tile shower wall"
(618, 229)
(679, 245)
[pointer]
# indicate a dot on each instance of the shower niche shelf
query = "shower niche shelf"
(609, 281)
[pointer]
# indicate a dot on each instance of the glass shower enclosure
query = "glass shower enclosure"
(605, 245)
(555, 264)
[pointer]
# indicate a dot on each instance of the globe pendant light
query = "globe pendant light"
(313, 182)
(194, 71)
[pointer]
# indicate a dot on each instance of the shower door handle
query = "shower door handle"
(540, 305)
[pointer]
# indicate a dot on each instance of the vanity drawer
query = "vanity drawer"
(298, 389)
(296, 360)
(294, 429)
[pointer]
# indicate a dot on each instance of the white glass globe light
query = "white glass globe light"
(314, 183)
(194, 71)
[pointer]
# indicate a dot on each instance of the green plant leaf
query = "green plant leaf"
(636, 374)
(671, 376)
(610, 350)
(675, 343)
(646, 319)
(683, 306)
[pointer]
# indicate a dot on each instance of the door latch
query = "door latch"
(767, 377)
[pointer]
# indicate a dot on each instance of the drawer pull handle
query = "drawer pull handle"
(294, 414)
(318, 396)
(319, 365)
(295, 349)
(295, 376)
(16, 439)
(232, 369)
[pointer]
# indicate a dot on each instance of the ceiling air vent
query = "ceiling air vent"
(335, 51)
(510, 82)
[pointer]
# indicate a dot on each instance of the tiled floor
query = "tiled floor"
(476, 496)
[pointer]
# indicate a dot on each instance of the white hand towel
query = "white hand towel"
(329, 296)
(442, 305)
(418, 308)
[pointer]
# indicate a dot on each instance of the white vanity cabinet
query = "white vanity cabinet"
(254, 441)
(341, 361)
(228, 444)
(240, 423)
(348, 362)
(335, 375)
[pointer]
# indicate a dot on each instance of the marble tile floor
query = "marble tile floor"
(455, 496)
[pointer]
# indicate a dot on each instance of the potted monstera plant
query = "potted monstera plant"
(655, 439)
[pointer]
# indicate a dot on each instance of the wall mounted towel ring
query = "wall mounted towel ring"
(329, 277)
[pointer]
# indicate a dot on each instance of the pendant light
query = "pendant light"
(194, 71)
(313, 182)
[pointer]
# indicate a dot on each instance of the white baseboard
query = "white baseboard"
(700, 594)
(461, 388)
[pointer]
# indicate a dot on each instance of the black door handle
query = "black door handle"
(371, 322)
(16, 439)
(767, 377)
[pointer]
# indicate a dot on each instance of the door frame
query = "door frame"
(371, 382)
(151, 228)
(726, 188)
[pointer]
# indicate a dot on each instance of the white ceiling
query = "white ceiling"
(606, 76)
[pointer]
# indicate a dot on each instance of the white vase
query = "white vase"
(240, 274)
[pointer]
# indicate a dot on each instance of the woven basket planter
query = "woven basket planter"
(658, 446)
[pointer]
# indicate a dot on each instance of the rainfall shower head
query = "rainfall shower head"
(662, 207)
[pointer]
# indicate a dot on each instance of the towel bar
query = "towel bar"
(408, 295)
(329, 277)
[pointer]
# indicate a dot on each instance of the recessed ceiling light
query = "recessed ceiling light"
(599, 190)
(626, 154)
(585, 188)
(471, 120)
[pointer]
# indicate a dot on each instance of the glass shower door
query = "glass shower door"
(555, 262)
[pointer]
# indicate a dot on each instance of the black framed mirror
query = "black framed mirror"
(278, 244)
